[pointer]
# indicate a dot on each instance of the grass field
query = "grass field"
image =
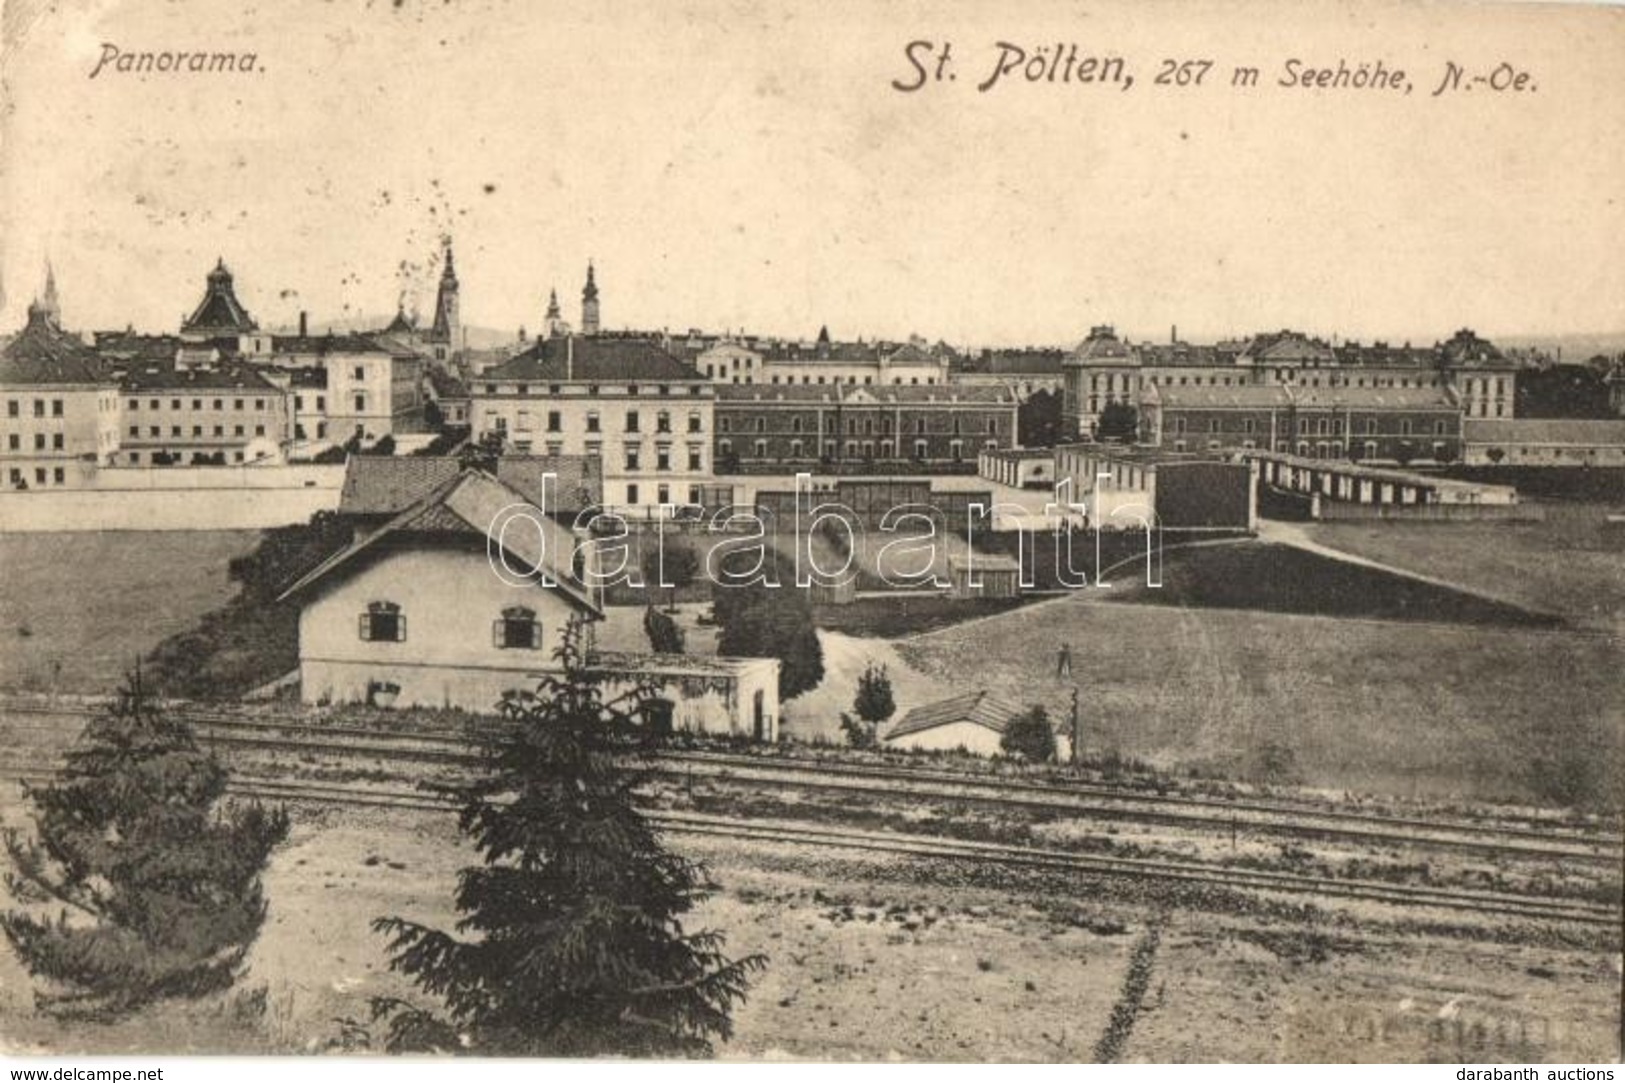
(94, 603)
(1281, 579)
(1469, 712)
(1570, 564)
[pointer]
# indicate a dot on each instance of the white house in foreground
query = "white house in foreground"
(416, 613)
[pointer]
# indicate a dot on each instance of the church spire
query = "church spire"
(589, 304)
(448, 327)
(49, 302)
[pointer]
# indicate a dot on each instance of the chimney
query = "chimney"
(1173, 334)
(569, 358)
(303, 325)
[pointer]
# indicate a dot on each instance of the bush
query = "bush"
(1030, 736)
(665, 637)
(859, 734)
(759, 621)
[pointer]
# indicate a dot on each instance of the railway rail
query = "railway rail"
(829, 838)
(299, 737)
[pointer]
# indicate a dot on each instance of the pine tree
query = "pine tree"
(575, 944)
(874, 703)
(156, 883)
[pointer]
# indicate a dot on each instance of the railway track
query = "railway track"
(832, 838)
(297, 737)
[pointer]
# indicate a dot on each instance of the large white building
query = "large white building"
(61, 413)
(647, 415)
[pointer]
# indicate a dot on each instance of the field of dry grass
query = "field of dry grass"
(1571, 564)
(1404, 708)
(94, 603)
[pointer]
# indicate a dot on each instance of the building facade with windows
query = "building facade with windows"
(61, 410)
(172, 415)
(899, 427)
(1104, 369)
(647, 416)
(414, 613)
(1388, 425)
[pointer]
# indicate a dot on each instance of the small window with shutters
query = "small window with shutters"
(383, 622)
(518, 629)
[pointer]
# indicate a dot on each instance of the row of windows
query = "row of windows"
(197, 404)
(516, 629)
(634, 421)
(1320, 426)
(855, 448)
(14, 408)
(662, 493)
(160, 457)
(14, 442)
(897, 381)
(592, 389)
(57, 475)
(797, 424)
(155, 431)
(1305, 450)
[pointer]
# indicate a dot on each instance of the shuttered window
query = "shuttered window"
(383, 622)
(517, 629)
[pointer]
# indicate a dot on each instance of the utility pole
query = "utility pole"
(1077, 731)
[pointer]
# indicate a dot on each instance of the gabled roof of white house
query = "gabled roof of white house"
(471, 504)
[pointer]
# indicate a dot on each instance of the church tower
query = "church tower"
(448, 326)
(589, 304)
(553, 325)
(49, 303)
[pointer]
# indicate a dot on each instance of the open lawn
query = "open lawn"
(94, 603)
(1394, 707)
(1572, 563)
(1281, 579)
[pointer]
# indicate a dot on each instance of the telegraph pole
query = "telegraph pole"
(1077, 731)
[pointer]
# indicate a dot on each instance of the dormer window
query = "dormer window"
(518, 629)
(383, 622)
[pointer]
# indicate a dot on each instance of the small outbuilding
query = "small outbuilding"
(974, 721)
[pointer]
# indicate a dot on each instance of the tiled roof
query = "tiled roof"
(1249, 397)
(857, 394)
(1038, 362)
(330, 344)
(445, 385)
(385, 484)
(470, 502)
(1373, 398)
(128, 344)
(978, 708)
(165, 376)
(592, 359)
(1545, 431)
(42, 353)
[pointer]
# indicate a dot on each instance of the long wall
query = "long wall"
(178, 498)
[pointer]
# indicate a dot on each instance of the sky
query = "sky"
(750, 165)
